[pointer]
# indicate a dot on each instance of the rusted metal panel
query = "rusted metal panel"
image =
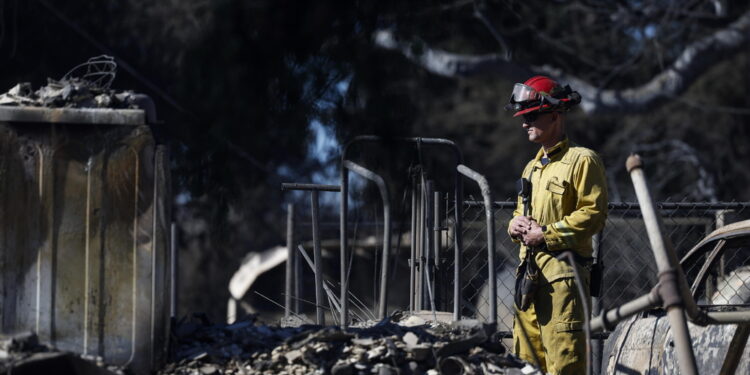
(84, 237)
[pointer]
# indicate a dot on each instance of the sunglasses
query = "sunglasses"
(532, 116)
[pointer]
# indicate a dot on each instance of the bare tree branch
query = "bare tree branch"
(695, 60)
(479, 13)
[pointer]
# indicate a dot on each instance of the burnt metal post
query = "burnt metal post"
(173, 267)
(490, 216)
(413, 257)
(317, 252)
(670, 275)
(378, 180)
(317, 258)
(425, 244)
(428, 298)
(436, 244)
(291, 261)
(344, 199)
(458, 208)
(419, 260)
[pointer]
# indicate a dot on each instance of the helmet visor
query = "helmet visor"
(523, 93)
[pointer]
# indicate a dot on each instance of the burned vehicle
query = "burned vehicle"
(718, 272)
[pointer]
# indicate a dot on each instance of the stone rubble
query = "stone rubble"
(382, 348)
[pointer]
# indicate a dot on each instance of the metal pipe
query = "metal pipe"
(429, 244)
(344, 198)
(329, 293)
(664, 252)
(297, 282)
(427, 298)
(436, 243)
(318, 259)
(683, 343)
(666, 262)
(610, 318)
(413, 258)
(378, 180)
(484, 186)
(729, 317)
(294, 271)
(720, 222)
(735, 349)
(419, 297)
(173, 269)
(457, 244)
(454, 365)
(290, 257)
(457, 202)
(309, 187)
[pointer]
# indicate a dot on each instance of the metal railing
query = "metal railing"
(484, 258)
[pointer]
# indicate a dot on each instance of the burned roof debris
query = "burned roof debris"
(68, 93)
(385, 347)
(85, 86)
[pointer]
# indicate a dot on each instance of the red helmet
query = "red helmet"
(540, 93)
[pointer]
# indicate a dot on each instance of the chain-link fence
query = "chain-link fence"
(622, 247)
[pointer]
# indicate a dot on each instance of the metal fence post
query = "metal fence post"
(457, 201)
(315, 205)
(419, 277)
(721, 216)
(173, 267)
(413, 257)
(428, 301)
(378, 180)
(597, 346)
(490, 216)
(343, 236)
(290, 261)
(436, 244)
(318, 258)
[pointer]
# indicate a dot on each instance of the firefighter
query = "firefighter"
(566, 207)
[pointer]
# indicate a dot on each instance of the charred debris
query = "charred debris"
(399, 344)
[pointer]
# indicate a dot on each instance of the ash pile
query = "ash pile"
(85, 86)
(22, 354)
(388, 347)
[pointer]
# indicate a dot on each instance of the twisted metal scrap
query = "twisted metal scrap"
(98, 72)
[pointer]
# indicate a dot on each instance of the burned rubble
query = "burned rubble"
(23, 354)
(391, 346)
(85, 86)
(68, 93)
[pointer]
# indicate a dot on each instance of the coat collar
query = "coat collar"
(553, 153)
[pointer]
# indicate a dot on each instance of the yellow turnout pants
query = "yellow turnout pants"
(554, 326)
